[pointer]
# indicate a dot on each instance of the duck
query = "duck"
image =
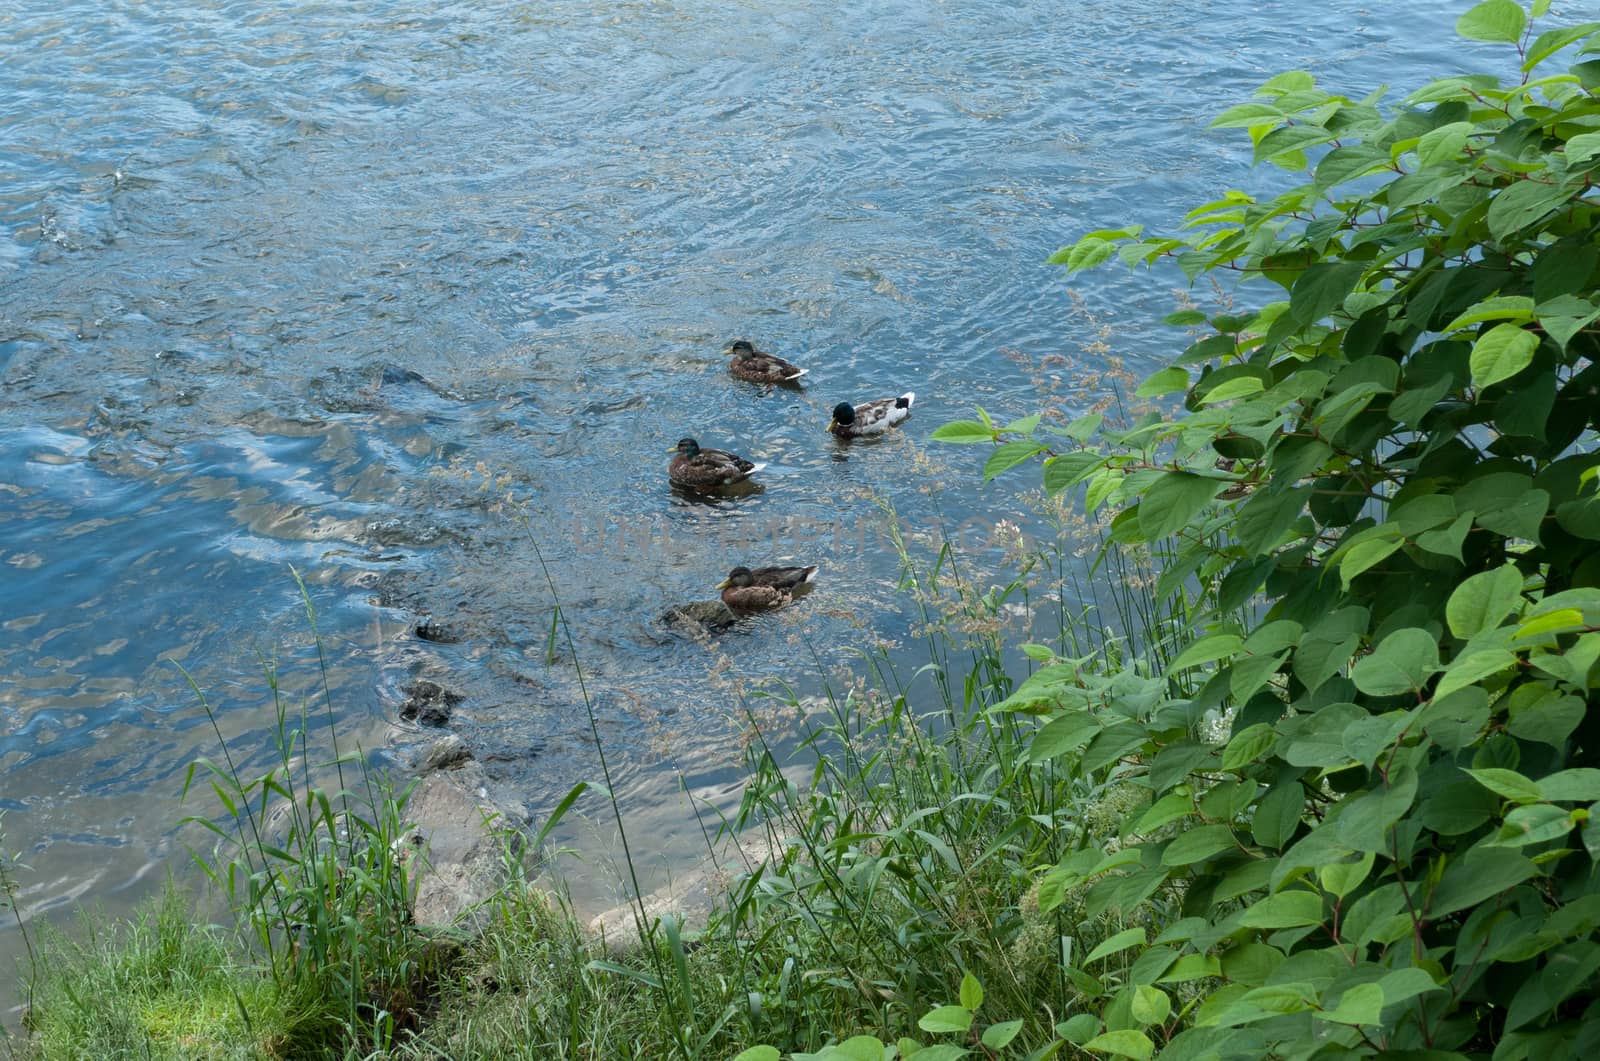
(764, 589)
(870, 418)
(759, 367)
(705, 469)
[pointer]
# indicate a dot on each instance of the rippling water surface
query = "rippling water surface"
(319, 284)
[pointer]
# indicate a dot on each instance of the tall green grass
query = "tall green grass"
(316, 875)
(904, 869)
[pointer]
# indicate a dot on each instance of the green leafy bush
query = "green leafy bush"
(1381, 487)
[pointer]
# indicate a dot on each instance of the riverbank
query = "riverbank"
(857, 894)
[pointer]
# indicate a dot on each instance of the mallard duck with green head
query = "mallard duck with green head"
(757, 366)
(707, 469)
(870, 418)
(765, 588)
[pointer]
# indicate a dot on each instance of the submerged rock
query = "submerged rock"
(701, 617)
(691, 897)
(445, 753)
(428, 629)
(428, 703)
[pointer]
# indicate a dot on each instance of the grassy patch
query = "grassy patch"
(162, 986)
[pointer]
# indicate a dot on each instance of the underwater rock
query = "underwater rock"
(445, 753)
(692, 896)
(428, 629)
(699, 618)
(428, 703)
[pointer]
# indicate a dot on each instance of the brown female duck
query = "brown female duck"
(765, 588)
(707, 469)
(757, 367)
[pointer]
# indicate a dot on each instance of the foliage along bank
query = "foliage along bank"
(1381, 488)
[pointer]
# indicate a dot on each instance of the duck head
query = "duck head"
(686, 447)
(844, 413)
(738, 578)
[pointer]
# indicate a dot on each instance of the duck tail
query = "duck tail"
(757, 466)
(797, 373)
(905, 400)
(811, 574)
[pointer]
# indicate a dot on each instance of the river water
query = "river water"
(394, 292)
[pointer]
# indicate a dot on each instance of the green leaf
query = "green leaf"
(1472, 668)
(1455, 720)
(998, 1036)
(1447, 542)
(1551, 41)
(1191, 967)
(1365, 820)
(1285, 144)
(1361, 1004)
(1501, 353)
(1493, 20)
(1008, 455)
(1247, 114)
(1078, 1029)
(1482, 873)
(1515, 308)
(1525, 202)
(1197, 845)
(1247, 745)
(757, 1053)
(1241, 387)
(1549, 718)
(1150, 1005)
(1169, 380)
(1534, 824)
(1341, 878)
(1172, 502)
(1483, 600)
(1322, 288)
(964, 431)
(1401, 663)
(1206, 650)
(1508, 784)
(1580, 784)
(1060, 735)
(1365, 556)
(1443, 143)
(1583, 147)
(1318, 739)
(971, 994)
(1089, 252)
(1404, 984)
(1124, 1043)
(1131, 937)
(946, 1019)
(1069, 469)
(1289, 909)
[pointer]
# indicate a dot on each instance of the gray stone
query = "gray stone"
(699, 618)
(691, 897)
(445, 753)
(462, 841)
(428, 703)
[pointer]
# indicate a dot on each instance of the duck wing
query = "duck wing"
(766, 368)
(755, 598)
(712, 467)
(783, 577)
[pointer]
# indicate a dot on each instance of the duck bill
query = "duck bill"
(721, 585)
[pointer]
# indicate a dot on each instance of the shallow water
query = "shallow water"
(321, 284)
